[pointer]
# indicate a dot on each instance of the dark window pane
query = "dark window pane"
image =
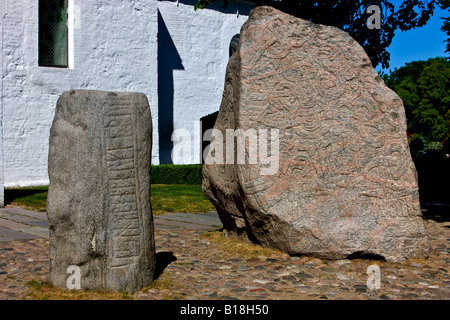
(53, 33)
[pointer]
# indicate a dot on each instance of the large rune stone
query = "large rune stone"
(346, 184)
(99, 195)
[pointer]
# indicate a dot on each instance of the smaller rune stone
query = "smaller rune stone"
(99, 194)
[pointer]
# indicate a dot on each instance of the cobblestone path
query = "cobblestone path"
(193, 266)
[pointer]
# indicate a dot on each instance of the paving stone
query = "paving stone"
(8, 211)
(10, 235)
(303, 275)
(343, 261)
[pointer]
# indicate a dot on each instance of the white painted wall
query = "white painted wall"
(114, 47)
(202, 40)
(2, 193)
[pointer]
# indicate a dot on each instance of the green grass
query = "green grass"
(164, 198)
(45, 291)
(31, 198)
(179, 198)
(241, 246)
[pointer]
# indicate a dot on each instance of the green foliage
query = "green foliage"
(445, 4)
(435, 149)
(177, 174)
(424, 87)
(417, 146)
(351, 16)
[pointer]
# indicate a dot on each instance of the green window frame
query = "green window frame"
(53, 33)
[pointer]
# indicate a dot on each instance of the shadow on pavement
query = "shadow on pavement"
(437, 211)
(163, 259)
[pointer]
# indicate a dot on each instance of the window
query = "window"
(207, 122)
(53, 33)
(234, 44)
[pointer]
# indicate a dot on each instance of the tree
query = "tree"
(351, 16)
(445, 4)
(424, 87)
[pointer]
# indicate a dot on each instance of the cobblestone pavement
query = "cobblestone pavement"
(192, 266)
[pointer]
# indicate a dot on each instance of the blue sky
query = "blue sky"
(418, 44)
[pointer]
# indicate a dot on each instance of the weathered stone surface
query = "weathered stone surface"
(346, 183)
(99, 195)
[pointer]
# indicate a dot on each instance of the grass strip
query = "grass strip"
(164, 198)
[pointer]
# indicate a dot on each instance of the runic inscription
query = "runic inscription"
(122, 183)
(99, 195)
